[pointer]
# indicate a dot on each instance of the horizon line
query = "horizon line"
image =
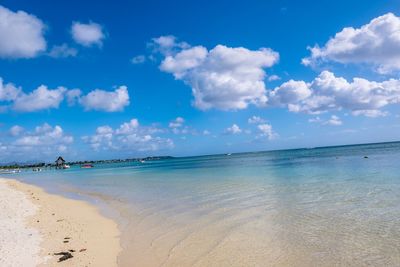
(206, 155)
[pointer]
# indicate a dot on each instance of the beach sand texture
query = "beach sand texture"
(34, 225)
(19, 243)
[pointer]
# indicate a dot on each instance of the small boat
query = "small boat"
(142, 161)
(87, 166)
(66, 166)
(229, 154)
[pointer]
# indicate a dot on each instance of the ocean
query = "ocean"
(330, 206)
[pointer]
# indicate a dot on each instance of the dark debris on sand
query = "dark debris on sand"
(65, 255)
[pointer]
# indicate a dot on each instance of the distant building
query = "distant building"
(60, 163)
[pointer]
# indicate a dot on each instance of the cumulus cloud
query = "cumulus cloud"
(265, 130)
(106, 101)
(178, 126)
(255, 120)
(87, 34)
(178, 122)
(234, 129)
(167, 45)
(8, 91)
(129, 136)
(103, 137)
(376, 43)
(183, 61)
(39, 99)
(128, 127)
(62, 51)
(223, 78)
(45, 135)
(16, 130)
(22, 34)
(167, 41)
(370, 113)
(43, 98)
(330, 93)
(44, 141)
(333, 120)
(73, 96)
(289, 92)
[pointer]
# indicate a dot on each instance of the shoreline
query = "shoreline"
(54, 224)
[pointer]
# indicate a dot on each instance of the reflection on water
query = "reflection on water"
(306, 207)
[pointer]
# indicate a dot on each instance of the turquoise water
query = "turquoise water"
(306, 207)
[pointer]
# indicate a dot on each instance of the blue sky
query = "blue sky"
(109, 79)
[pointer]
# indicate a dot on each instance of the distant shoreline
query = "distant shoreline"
(152, 158)
(51, 165)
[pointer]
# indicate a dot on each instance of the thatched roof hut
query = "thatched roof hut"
(60, 162)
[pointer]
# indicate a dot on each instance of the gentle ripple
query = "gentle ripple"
(305, 207)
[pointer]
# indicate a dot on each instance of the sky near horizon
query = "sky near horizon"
(115, 79)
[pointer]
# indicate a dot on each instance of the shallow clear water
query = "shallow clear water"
(306, 207)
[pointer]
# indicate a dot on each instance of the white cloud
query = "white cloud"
(370, 113)
(167, 44)
(333, 121)
(177, 127)
(266, 131)
(104, 130)
(223, 78)
(16, 130)
(128, 127)
(234, 129)
(87, 34)
(376, 43)
(46, 136)
(22, 34)
(43, 98)
(289, 92)
(206, 132)
(73, 96)
(182, 62)
(103, 137)
(274, 78)
(330, 93)
(167, 41)
(255, 120)
(62, 51)
(106, 101)
(138, 59)
(44, 141)
(39, 99)
(178, 122)
(8, 92)
(129, 136)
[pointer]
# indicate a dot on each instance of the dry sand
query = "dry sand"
(19, 244)
(34, 225)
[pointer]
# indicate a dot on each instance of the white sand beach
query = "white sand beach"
(35, 225)
(19, 242)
